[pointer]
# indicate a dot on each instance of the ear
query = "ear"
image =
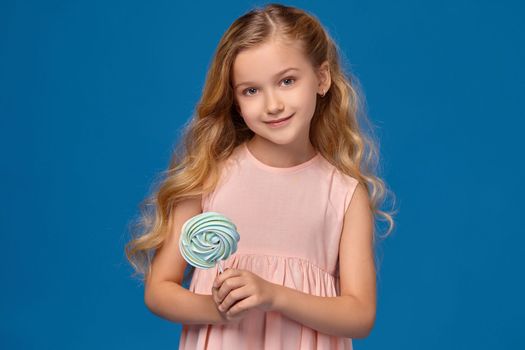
(323, 77)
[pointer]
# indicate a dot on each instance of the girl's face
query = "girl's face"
(273, 81)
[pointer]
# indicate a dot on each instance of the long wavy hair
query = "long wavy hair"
(337, 127)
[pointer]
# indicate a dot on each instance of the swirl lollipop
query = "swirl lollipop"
(207, 238)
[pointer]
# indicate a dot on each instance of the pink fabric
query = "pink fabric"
(290, 222)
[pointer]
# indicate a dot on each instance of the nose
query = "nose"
(274, 104)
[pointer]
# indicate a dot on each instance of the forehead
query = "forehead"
(264, 61)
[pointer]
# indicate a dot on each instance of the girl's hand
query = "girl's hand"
(225, 315)
(236, 291)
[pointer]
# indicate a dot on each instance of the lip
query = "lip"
(280, 122)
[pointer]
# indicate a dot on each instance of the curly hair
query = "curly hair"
(217, 128)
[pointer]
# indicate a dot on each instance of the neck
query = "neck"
(281, 156)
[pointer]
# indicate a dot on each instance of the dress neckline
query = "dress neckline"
(273, 169)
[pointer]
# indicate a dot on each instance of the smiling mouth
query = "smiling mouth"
(279, 120)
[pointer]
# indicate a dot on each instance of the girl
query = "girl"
(276, 147)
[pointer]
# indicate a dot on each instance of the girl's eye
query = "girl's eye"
(250, 91)
(245, 92)
(289, 79)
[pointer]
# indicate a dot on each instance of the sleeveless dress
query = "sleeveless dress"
(290, 222)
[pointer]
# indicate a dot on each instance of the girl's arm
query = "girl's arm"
(352, 314)
(173, 302)
(164, 294)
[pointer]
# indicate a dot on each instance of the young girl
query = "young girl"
(276, 147)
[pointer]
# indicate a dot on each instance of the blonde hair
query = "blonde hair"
(217, 128)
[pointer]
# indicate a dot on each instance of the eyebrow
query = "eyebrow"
(276, 75)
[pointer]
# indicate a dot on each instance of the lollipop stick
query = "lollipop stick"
(220, 266)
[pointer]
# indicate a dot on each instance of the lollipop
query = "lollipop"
(207, 238)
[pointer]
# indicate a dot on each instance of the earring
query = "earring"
(322, 93)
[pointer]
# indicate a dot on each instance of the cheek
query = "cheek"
(250, 110)
(303, 99)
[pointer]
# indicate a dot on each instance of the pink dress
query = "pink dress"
(289, 221)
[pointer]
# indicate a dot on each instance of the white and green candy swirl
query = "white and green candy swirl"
(208, 238)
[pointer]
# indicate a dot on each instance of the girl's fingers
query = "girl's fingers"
(227, 286)
(232, 297)
(221, 277)
(237, 316)
(220, 293)
(226, 314)
(214, 293)
(240, 308)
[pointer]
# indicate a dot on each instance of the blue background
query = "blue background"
(92, 97)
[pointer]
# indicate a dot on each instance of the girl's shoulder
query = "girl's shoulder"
(336, 173)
